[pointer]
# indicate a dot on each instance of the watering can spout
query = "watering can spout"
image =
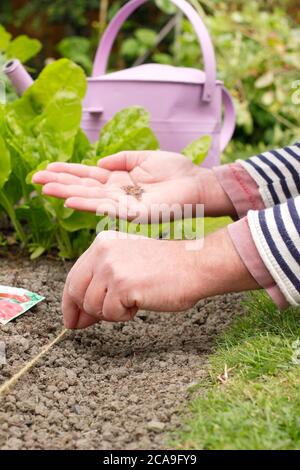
(18, 75)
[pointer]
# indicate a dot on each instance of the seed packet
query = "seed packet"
(14, 302)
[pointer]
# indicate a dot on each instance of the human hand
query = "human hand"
(120, 274)
(163, 178)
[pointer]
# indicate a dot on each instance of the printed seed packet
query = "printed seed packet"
(14, 302)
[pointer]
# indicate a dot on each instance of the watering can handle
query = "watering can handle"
(108, 39)
(229, 120)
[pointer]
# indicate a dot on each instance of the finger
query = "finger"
(114, 310)
(82, 204)
(63, 191)
(98, 206)
(70, 311)
(108, 207)
(123, 161)
(83, 171)
(85, 320)
(44, 177)
(94, 298)
(76, 285)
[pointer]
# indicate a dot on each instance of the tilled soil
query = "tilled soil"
(109, 387)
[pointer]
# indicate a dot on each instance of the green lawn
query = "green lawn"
(259, 405)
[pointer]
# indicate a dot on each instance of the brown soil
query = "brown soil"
(109, 387)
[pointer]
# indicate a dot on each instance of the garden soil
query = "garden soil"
(113, 386)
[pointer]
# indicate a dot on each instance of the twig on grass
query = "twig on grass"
(223, 378)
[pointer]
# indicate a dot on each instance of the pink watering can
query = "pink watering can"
(184, 103)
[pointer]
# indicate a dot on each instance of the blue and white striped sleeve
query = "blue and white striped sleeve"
(276, 230)
(265, 192)
(277, 174)
(276, 234)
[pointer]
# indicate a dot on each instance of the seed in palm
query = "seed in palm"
(134, 190)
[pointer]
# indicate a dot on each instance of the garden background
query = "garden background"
(257, 44)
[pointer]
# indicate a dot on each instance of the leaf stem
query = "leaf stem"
(4, 201)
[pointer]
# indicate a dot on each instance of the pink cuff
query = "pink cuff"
(241, 236)
(240, 188)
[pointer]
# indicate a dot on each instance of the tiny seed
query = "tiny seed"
(135, 191)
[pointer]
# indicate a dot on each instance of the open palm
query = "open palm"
(161, 177)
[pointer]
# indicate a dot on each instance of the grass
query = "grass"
(259, 405)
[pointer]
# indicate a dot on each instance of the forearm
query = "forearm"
(216, 200)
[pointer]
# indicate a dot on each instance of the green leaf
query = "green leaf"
(39, 224)
(128, 130)
(78, 221)
(130, 48)
(166, 6)
(84, 151)
(77, 48)
(40, 167)
(46, 135)
(62, 75)
(5, 38)
(197, 151)
(37, 252)
(146, 36)
(57, 128)
(212, 224)
(23, 48)
(5, 163)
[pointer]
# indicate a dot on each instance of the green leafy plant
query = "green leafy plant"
(77, 49)
(43, 126)
(22, 48)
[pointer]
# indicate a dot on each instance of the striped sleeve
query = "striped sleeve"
(276, 234)
(276, 173)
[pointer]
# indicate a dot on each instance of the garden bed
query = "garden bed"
(109, 387)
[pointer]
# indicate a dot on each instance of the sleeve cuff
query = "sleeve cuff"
(240, 188)
(241, 236)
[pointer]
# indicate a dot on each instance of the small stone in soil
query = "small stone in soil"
(135, 191)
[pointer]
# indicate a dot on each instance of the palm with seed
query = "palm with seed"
(156, 178)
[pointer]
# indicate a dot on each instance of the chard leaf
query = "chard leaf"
(212, 224)
(197, 151)
(23, 48)
(84, 151)
(5, 38)
(80, 220)
(40, 167)
(5, 163)
(128, 130)
(62, 75)
(56, 129)
(49, 135)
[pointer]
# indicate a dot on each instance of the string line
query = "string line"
(9, 383)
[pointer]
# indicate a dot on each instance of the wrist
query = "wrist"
(220, 268)
(216, 201)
